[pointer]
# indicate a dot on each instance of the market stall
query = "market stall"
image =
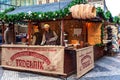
(22, 57)
(73, 51)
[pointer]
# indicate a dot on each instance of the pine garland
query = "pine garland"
(39, 15)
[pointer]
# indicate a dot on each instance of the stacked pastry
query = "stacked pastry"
(83, 11)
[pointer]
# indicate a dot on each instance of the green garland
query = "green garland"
(100, 12)
(3, 14)
(107, 15)
(40, 15)
(116, 19)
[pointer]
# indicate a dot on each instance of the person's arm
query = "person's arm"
(54, 38)
(6, 37)
(43, 40)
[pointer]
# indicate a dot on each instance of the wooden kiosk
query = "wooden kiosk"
(63, 59)
(52, 59)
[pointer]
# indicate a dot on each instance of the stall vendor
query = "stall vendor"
(49, 36)
(37, 36)
(9, 35)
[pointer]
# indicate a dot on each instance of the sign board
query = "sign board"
(77, 31)
(46, 59)
(85, 60)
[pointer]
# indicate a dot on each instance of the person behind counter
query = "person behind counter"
(24, 39)
(37, 36)
(9, 35)
(49, 36)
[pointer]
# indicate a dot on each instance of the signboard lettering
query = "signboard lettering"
(45, 59)
(85, 60)
(29, 64)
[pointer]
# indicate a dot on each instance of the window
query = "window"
(40, 2)
(47, 1)
(55, 0)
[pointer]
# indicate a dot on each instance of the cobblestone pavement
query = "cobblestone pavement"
(106, 68)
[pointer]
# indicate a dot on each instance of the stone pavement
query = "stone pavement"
(106, 68)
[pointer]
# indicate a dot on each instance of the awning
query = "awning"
(42, 8)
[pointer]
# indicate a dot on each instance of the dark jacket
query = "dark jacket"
(38, 36)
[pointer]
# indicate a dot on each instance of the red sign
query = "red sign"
(85, 61)
(45, 59)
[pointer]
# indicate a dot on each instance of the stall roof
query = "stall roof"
(41, 8)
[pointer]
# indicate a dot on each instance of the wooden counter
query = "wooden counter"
(47, 59)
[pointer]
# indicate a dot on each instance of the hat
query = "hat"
(46, 26)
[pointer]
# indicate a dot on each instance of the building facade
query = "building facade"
(11, 3)
(4, 4)
(46, 1)
(31, 2)
(94, 0)
(23, 2)
(97, 3)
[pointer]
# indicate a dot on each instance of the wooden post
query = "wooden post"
(62, 32)
(29, 32)
(86, 32)
(3, 29)
(14, 33)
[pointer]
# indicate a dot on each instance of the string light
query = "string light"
(56, 14)
(66, 14)
(54, 19)
(40, 15)
(29, 12)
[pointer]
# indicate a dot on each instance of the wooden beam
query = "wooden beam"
(14, 33)
(62, 33)
(29, 32)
